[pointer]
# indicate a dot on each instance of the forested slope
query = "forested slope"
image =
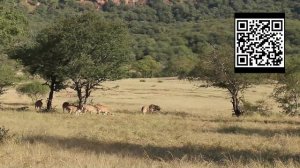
(170, 36)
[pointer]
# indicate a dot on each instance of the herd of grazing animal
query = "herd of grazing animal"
(95, 109)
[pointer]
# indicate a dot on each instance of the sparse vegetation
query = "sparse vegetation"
(3, 134)
(259, 107)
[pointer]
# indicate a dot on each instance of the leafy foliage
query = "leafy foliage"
(178, 30)
(35, 90)
(13, 24)
(287, 91)
(85, 48)
(217, 70)
(147, 67)
(43, 58)
(8, 76)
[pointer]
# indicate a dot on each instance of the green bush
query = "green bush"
(34, 90)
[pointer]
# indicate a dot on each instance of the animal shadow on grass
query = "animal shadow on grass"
(128, 112)
(188, 152)
(17, 104)
(260, 132)
(180, 114)
(18, 109)
(21, 107)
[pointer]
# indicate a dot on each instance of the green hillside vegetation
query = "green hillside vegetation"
(98, 73)
(166, 39)
(179, 31)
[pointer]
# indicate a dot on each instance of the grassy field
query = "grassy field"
(195, 129)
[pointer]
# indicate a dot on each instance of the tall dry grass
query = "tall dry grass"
(195, 129)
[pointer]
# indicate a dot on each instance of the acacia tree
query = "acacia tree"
(287, 90)
(86, 49)
(45, 58)
(96, 49)
(217, 69)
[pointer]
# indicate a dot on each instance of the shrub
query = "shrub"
(260, 107)
(142, 80)
(34, 90)
(287, 99)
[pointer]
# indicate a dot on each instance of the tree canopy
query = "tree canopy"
(87, 49)
(217, 70)
(95, 49)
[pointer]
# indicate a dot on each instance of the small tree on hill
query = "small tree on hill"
(34, 90)
(217, 69)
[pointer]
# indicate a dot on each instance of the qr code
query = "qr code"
(259, 42)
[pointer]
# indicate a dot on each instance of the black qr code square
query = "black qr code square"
(259, 42)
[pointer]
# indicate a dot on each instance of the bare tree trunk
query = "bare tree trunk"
(87, 92)
(235, 103)
(51, 93)
(78, 89)
(296, 102)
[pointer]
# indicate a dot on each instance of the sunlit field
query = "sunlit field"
(194, 129)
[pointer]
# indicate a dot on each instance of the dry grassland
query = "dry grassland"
(195, 130)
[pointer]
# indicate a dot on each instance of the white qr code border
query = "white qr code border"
(244, 59)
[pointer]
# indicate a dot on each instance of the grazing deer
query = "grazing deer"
(38, 104)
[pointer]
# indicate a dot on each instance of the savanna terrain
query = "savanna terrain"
(194, 129)
(84, 43)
